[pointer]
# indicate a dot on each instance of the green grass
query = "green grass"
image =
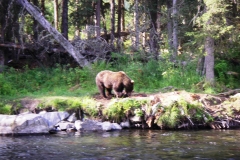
(149, 77)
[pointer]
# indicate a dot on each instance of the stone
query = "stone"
(78, 125)
(106, 126)
(72, 118)
(63, 125)
(88, 125)
(23, 124)
(54, 117)
(30, 123)
(125, 124)
(116, 126)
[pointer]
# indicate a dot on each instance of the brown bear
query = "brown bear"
(118, 81)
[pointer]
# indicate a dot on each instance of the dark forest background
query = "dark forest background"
(188, 44)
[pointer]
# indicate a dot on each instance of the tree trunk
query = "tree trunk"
(153, 6)
(112, 5)
(77, 27)
(119, 24)
(55, 4)
(43, 7)
(58, 37)
(175, 30)
(169, 25)
(64, 25)
(1, 61)
(35, 23)
(136, 23)
(123, 16)
(98, 18)
(209, 59)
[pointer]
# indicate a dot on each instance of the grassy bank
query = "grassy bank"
(150, 77)
(63, 80)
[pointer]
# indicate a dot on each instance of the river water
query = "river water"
(124, 145)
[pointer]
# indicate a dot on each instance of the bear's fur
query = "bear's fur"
(117, 81)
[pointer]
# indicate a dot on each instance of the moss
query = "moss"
(5, 108)
(180, 112)
(86, 104)
(119, 110)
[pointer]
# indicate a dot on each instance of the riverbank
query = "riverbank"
(172, 110)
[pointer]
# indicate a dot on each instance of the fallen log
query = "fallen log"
(80, 59)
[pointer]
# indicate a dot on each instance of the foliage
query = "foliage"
(226, 73)
(119, 109)
(86, 104)
(180, 111)
(5, 108)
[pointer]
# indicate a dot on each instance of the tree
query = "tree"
(55, 4)
(64, 26)
(153, 7)
(209, 59)
(215, 27)
(175, 29)
(136, 23)
(112, 10)
(58, 37)
(98, 18)
(169, 25)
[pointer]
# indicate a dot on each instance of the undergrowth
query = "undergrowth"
(150, 76)
(181, 112)
(120, 110)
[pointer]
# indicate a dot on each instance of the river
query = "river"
(124, 145)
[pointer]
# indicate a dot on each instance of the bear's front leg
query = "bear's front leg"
(118, 89)
(101, 89)
(109, 92)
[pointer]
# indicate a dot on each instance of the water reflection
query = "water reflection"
(126, 144)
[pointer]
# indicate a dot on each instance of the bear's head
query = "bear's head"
(129, 88)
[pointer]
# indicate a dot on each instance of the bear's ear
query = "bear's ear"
(132, 81)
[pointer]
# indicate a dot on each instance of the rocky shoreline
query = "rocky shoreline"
(173, 110)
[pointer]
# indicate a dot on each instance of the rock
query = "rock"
(72, 118)
(63, 125)
(125, 124)
(116, 126)
(23, 124)
(88, 125)
(136, 119)
(30, 123)
(54, 117)
(92, 125)
(106, 126)
(78, 125)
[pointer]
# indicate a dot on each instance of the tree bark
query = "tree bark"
(35, 23)
(98, 18)
(209, 59)
(63, 41)
(112, 6)
(175, 30)
(136, 23)
(169, 25)
(123, 16)
(55, 4)
(64, 25)
(119, 23)
(1, 61)
(153, 6)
